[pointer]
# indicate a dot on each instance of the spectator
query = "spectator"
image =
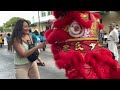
(24, 68)
(113, 40)
(117, 27)
(1, 41)
(38, 38)
(8, 41)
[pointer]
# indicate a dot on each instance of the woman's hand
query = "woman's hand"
(41, 45)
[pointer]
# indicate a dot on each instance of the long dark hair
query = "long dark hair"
(17, 31)
(36, 32)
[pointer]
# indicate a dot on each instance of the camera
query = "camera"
(42, 40)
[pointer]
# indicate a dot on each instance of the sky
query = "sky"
(7, 15)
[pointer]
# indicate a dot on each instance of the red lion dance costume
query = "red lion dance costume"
(75, 47)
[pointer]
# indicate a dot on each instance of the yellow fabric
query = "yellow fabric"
(0, 39)
(80, 39)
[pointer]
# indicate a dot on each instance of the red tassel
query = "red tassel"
(57, 14)
(86, 24)
(47, 33)
(97, 15)
(100, 26)
(63, 22)
(115, 74)
(60, 64)
(72, 74)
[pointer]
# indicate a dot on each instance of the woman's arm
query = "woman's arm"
(21, 51)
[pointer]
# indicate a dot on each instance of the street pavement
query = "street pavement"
(50, 71)
(6, 64)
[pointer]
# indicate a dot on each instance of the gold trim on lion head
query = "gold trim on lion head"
(84, 16)
(94, 28)
(98, 20)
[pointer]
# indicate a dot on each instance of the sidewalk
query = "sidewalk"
(7, 70)
(47, 57)
(48, 48)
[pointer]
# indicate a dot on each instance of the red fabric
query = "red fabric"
(64, 21)
(115, 74)
(57, 14)
(100, 26)
(97, 15)
(48, 32)
(78, 18)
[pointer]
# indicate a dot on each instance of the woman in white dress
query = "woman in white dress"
(113, 39)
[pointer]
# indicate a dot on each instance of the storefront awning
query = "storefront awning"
(103, 12)
(47, 22)
(35, 23)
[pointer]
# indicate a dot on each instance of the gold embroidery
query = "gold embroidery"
(80, 39)
(66, 48)
(84, 16)
(92, 46)
(78, 46)
(98, 20)
(94, 29)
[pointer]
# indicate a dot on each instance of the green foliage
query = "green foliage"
(1, 29)
(11, 23)
(103, 12)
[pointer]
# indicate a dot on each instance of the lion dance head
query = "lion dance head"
(75, 46)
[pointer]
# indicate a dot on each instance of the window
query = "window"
(43, 14)
(49, 13)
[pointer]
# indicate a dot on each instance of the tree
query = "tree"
(103, 12)
(11, 23)
(1, 29)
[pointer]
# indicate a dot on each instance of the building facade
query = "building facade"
(109, 17)
(41, 21)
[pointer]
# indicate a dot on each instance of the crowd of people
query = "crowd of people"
(2, 36)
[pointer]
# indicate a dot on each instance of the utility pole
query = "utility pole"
(38, 22)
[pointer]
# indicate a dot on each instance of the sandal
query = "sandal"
(41, 64)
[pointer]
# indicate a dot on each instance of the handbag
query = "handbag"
(33, 56)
